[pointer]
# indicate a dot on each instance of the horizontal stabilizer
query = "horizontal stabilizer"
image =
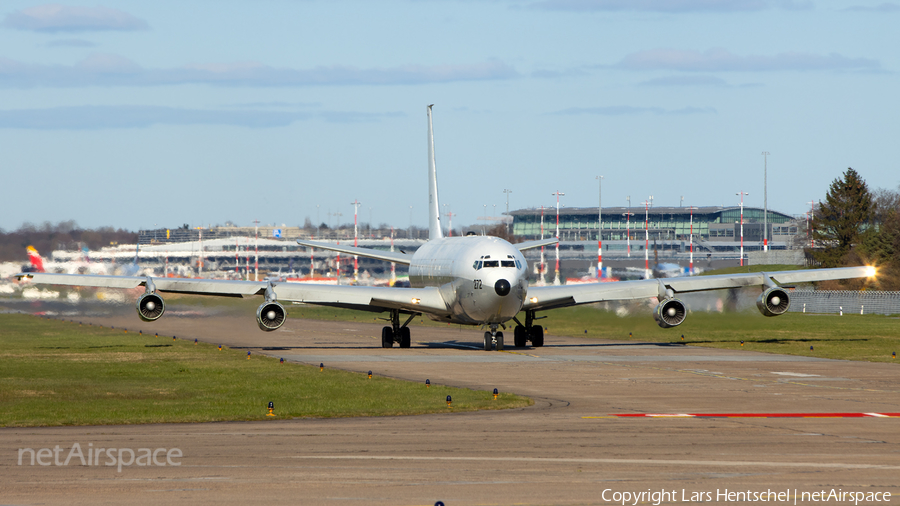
(522, 246)
(387, 256)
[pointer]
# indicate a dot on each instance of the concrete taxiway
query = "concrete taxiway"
(569, 448)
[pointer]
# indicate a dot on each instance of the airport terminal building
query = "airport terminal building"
(715, 228)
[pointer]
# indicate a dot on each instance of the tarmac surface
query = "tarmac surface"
(570, 448)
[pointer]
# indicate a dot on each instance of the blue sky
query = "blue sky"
(135, 114)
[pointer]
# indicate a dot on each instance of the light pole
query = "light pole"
(627, 226)
(409, 233)
(556, 277)
(628, 216)
(765, 201)
(742, 225)
(543, 265)
(449, 216)
(646, 239)
(484, 218)
(810, 216)
(691, 239)
(507, 192)
(355, 205)
(393, 265)
(599, 227)
(256, 259)
(318, 222)
(446, 214)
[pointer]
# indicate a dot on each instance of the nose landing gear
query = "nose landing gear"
(493, 337)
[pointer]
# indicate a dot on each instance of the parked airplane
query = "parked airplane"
(36, 263)
(470, 280)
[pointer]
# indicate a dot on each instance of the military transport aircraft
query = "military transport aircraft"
(469, 280)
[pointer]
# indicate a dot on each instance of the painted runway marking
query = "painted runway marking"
(749, 415)
(576, 460)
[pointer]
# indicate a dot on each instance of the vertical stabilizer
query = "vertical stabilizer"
(434, 208)
(37, 263)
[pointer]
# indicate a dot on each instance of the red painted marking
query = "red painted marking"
(759, 415)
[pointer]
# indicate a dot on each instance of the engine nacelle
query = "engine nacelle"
(150, 306)
(270, 316)
(773, 302)
(670, 313)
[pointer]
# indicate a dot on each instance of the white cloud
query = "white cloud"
(128, 116)
(689, 80)
(694, 80)
(720, 60)
(63, 18)
(670, 6)
(114, 70)
(71, 43)
(627, 110)
(885, 7)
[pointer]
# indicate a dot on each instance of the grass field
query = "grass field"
(60, 373)
(852, 337)
(752, 268)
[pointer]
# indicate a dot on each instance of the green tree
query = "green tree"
(839, 222)
(880, 245)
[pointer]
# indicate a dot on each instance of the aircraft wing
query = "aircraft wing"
(388, 256)
(549, 297)
(367, 298)
(522, 246)
(220, 287)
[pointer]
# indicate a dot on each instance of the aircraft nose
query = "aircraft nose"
(502, 287)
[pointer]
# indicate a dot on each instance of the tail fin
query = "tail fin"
(434, 208)
(35, 258)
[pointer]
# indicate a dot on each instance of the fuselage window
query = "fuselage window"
(491, 263)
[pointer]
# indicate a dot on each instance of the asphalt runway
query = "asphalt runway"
(570, 448)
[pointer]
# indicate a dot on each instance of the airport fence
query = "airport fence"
(847, 301)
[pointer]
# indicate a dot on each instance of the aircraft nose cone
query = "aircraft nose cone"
(502, 287)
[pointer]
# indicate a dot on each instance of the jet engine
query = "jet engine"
(670, 313)
(150, 307)
(270, 316)
(773, 302)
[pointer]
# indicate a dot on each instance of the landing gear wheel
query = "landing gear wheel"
(537, 336)
(520, 336)
(499, 341)
(387, 337)
(404, 337)
(488, 341)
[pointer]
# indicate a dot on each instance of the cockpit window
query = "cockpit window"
(491, 263)
(507, 263)
(477, 265)
(518, 264)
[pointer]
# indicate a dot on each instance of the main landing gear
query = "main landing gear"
(528, 332)
(396, 333)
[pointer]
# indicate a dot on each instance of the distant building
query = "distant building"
(714, 228)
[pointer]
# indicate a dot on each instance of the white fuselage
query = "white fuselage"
(471, 273)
